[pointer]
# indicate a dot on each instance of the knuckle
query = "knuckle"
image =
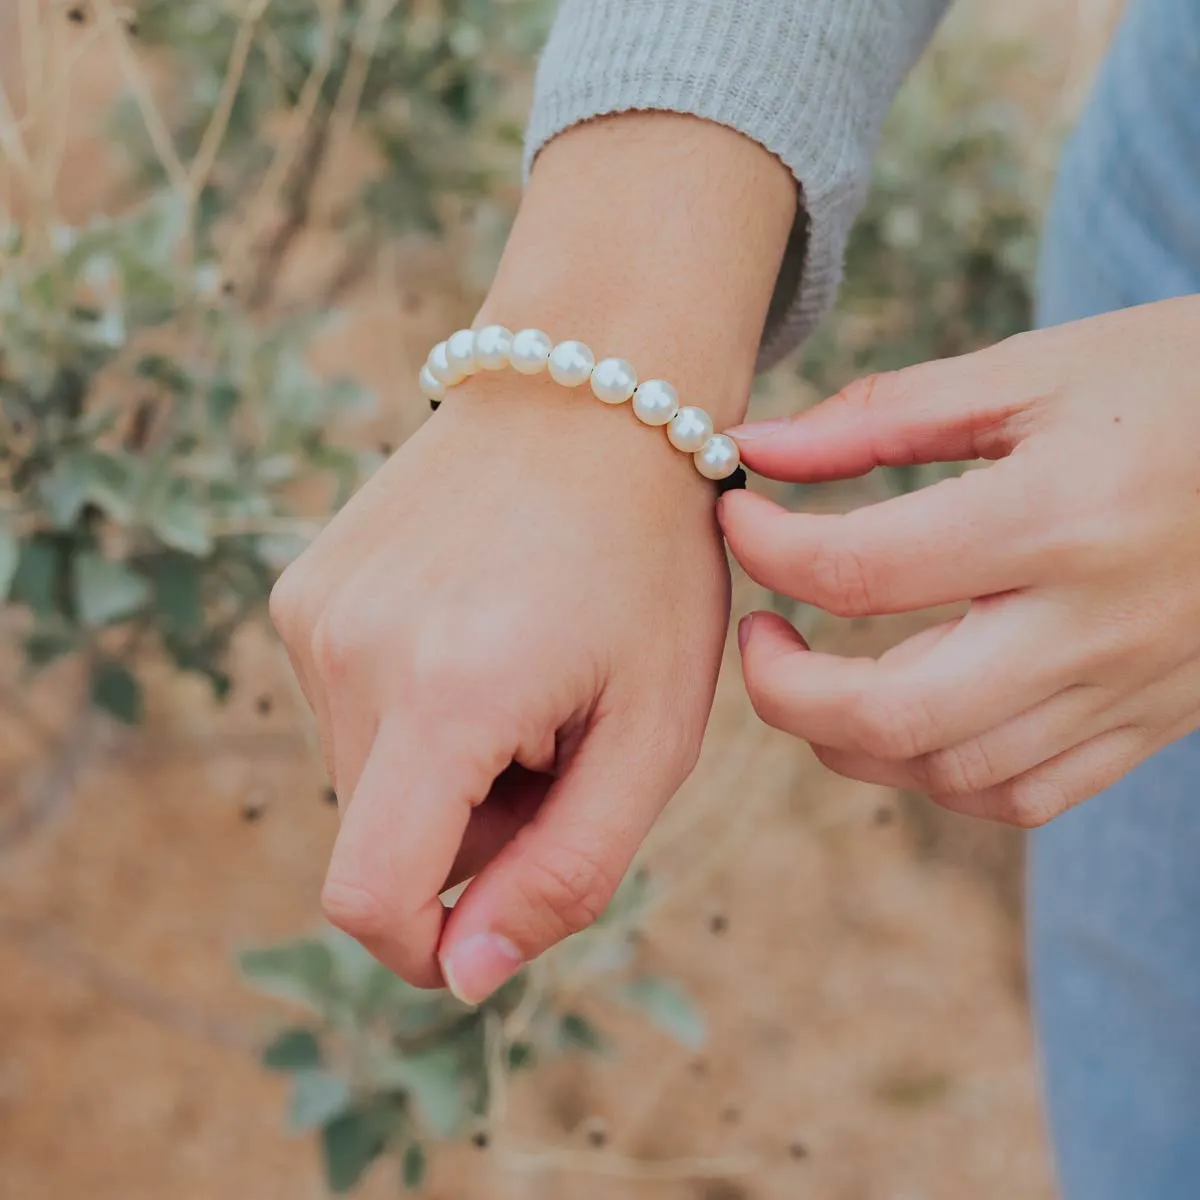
(354, 909)
(871, 390)
(892, 729)
(680, 752)
(1030, 802)
(958, 771)
(842, 582)
(568, 891)
(285, 603)
(456, 655)
(338, 638)
(767, 696)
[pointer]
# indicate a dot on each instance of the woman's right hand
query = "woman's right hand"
(510, 639)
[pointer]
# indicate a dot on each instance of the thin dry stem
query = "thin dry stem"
(218, 125)
(349, 98)
(12, 142)
(135, 76)
(288, 152)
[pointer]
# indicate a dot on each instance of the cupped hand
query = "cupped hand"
(510, 638)
(1079, 551)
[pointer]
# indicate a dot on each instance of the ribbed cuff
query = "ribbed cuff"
(810, 80)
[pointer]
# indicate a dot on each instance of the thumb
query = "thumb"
(560, 872)
(952, 410)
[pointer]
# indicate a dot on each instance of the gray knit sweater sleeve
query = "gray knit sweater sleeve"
(811, 80)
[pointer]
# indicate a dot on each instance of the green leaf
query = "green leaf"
(111, 482)
(48, 645)
(165, 372)
(350, 1143)
(177, 580)
(433, 1080)
(64, 491)
(10, 558)
(382, 990)
(300, 971)
(115, 484)
(223, 400)
(317, 1098)
(577, 1032)
(106, 591)
(352, 962)
(667, 1006)
(117, 692)
(179, 521)
(39, 572)
(414, 1167)
(293, 1050)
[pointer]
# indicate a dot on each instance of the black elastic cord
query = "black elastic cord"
(734, 483)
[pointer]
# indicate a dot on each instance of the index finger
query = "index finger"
(975, 535)
(399, 837)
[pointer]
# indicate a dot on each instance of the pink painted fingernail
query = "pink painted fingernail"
(744, 627)
(757, 429)
(478, 966)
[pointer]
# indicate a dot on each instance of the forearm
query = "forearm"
(810, 80)
(657, 238)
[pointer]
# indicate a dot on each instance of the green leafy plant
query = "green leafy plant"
(409, 99)
(158, 419)
(382, 1069)
(151, 440)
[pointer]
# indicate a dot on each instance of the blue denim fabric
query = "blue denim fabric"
(1115, 884)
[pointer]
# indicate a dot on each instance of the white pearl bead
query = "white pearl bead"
(614, 380)
(719, 457)
(656, 402)
(492, 346)
(460, 350)
(431, 387)
(571, 364)
(530, 351)
(690, 429)
(441, 368)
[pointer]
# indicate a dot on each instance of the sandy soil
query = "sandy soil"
(863, 975)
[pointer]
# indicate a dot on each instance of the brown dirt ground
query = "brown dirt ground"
(869, 1036)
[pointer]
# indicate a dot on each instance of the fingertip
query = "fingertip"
(476, 967)
(742, 512)
(768, 632)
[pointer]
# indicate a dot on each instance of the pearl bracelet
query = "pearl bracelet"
(571, 364)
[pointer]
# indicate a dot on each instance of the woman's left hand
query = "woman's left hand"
(1079, 551)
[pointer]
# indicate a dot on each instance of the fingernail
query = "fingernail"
(757, 429)
(744, 626)
(477, 967)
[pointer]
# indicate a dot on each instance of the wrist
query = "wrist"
(564, 441)
(655, 238)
